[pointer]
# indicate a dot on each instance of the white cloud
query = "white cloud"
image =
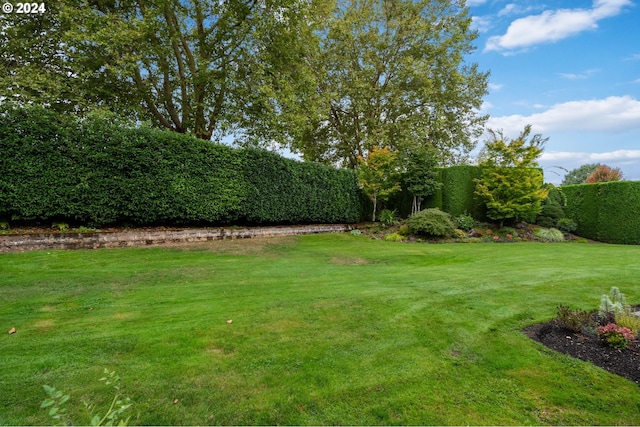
(475, 2)
(612, 114)
(514, 9)
(616, 156)
(580, 76)
(481, 24)
(495, 86)
(553, 25)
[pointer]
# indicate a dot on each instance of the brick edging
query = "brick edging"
(43, 241)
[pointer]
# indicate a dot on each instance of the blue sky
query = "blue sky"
(571, 69)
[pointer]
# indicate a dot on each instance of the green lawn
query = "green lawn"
(327, 329)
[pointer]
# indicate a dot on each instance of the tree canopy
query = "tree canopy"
(202, 67)
(580, 174)
(328, 79)
(511, 183)
(392, 73)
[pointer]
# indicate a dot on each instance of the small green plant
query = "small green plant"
(459, 234)
(615, 336)
(507, 231)
(432, 222)
(573, 319)
(567, 225)
(387, 217)
(4, 225)
(393, 237)
(55, 401)
(465, 222)
(404, 230)
(356, 232)
(112, 416)
(550, 235)
(628, 319)
(62, 226)
(612, 304)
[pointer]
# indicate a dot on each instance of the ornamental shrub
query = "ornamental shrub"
(567, 225)
(550, 235)
(574, 320)
(615, 336)
(431, 222)
(465, 222)
(393, 237)
(552, 207)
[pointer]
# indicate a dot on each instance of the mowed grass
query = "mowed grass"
(326, 329)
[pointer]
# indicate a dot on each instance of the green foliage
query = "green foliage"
(356, 232)
(552, 207)
(458, 195)
(4, 225)
(580, 174)
(465, 222)
(567, 225)
(420, 177)
(612, 304)
(404, 230)
(551, 235)
(378, 175)
(628, 319)
(606, 212)
(615, 336)
(97, 172)
(459, 234)
(393, 237)
(504, 231)
(112, 416)
(388, 217)
(61, 226)
(604, 174)
(573, 319)
(55, 402)
(197, 67)
(393, 74)
(511, 184)
(432, 222)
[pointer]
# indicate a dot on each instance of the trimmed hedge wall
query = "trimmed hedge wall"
(456, 195)
(607, 212)
(98, 172)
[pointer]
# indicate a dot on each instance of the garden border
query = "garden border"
(106, 239)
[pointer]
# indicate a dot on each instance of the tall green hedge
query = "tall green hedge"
(608, 212)
(99, 172)
(457, 194)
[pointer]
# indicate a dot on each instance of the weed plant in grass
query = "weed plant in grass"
(326, 329)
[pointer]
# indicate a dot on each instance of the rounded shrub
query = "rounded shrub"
(393, 237)
(465, 222)
(431, 222)
(567, 225)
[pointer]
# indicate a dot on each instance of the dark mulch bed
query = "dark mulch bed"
(588, 347)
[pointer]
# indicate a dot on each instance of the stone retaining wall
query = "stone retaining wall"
(27, 242)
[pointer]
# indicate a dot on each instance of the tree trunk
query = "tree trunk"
(375, 205)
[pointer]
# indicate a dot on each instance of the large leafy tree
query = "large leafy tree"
(392, 73)
(198, 66)
(604, 173)
(512, 183)
(580, 174)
